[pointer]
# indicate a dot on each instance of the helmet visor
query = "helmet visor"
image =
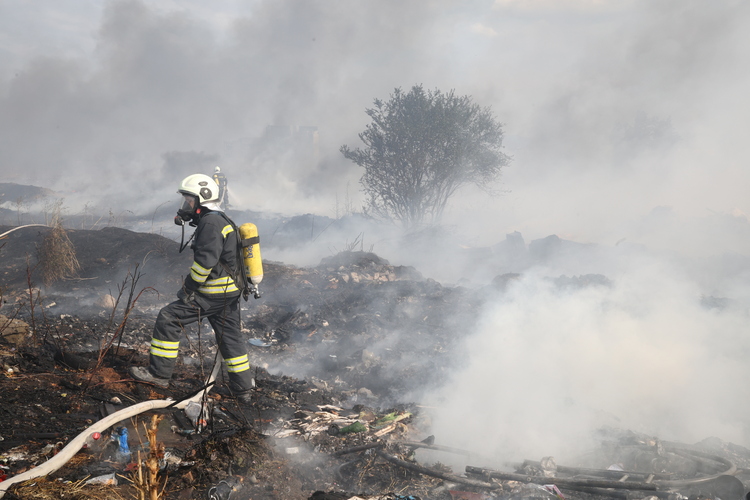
(189, 204)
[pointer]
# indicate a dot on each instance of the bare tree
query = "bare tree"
(420, 148)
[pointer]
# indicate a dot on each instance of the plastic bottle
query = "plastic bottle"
(93, 443)
(123, 450)
(198, 415)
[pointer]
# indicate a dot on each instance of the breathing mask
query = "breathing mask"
(189, 211)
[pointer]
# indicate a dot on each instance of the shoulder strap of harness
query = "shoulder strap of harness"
(239, 277)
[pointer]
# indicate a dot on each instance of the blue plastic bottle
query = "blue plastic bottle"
(123, 450)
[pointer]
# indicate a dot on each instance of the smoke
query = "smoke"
(624, 119)
(630, 112)
(164, 80)
(611, 108)
(548, 366)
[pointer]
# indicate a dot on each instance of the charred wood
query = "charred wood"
(430, 472)
(355, 449)
(597, 483)
(616, 474)
(436, 447)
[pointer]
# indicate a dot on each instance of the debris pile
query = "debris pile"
(336, 348)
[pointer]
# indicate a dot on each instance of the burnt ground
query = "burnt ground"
(335, 347)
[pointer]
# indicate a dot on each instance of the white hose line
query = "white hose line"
(77, 443)
(21, 227)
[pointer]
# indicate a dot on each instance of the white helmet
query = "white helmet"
(197, 190)
(217, 170)
(201, 186)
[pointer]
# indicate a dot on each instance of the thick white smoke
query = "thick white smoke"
(548, 366)
(625, 119)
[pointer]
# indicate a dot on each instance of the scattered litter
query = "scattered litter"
(93, 442)
(529, 490)
(182, 432)
(549, 466)
(106, 479)
(224, 489)
(355, 427)
(169, 459)
(389, 419)
(123, 449)
(552, 488)
(259, 343)
(198, 414)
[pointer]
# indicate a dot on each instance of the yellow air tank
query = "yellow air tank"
(251, 253)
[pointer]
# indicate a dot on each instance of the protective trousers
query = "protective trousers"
(224, 316)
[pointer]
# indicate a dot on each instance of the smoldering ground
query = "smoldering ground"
(625, 124)
(549, 366)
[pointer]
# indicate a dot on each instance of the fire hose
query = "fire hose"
(77, 443)
(21, 227)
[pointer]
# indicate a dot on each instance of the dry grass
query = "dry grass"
(57, 255)
(45, 489)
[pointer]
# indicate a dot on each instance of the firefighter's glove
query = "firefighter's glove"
(187, 298)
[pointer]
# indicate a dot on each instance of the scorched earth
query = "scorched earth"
(339, 351)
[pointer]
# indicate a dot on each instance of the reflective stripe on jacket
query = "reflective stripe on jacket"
(214, 252)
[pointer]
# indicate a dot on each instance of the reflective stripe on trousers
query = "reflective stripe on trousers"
(223, 313)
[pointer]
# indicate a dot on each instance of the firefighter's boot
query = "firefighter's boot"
(143, 374)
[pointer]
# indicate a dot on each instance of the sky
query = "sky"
(626, 121)
(611, 109)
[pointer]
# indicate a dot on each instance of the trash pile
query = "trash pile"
(335, 348)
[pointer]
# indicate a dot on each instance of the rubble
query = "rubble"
(12, 330)
(326, 419)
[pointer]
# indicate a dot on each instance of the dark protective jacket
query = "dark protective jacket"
(215, 258)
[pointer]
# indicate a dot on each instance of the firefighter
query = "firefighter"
(221, 181)
(211, 290)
